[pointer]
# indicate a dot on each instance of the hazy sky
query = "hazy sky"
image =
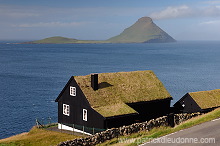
(102, 19)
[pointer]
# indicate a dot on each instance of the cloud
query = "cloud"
(185, 11)
(49, 24)
(172, 12)
(211, 2)
(20, 15)
(42, 16)
(212, 22)
(211, 11)
(17, 12)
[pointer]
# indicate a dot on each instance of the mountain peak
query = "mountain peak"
(145, 19)
(143, 31)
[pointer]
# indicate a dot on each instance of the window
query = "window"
(84, 115)
(183, 105)
(72, 91)
(66, 109)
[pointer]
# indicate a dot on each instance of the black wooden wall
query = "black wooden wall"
(151, 109)
(77, 104)
(121, 120)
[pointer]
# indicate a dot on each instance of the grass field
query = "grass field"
(37, 137)
(64, 40)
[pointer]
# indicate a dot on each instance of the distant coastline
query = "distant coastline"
(64, 40)
(143, 31)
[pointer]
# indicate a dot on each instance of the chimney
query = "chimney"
(94, 81)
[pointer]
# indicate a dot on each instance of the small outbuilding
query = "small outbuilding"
(109, 100)
(202, 101)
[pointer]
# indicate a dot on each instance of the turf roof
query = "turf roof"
(116, 89)
(207, 99)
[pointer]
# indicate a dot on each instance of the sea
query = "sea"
(33, 75)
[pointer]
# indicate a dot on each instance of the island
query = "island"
(142, 31)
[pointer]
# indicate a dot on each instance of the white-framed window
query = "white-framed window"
(183, 105)
(66, 109)
(84, 115)
(72, 91)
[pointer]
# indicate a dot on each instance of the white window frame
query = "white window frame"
(85, 114)
(72, 91)
(66, 109)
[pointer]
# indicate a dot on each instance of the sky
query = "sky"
(103, 19)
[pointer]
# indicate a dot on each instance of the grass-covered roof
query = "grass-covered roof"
(116, 89)
(207, 99)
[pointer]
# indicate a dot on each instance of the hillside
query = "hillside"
(143, 31)
(37, 137)
(55, 40)
(63, 40)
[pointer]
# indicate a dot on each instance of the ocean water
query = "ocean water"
(32, 75)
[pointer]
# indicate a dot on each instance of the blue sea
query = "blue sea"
(32, 75)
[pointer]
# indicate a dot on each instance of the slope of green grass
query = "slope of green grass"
(143, 30)
(55, 40)
(37, 137)
(64, 40)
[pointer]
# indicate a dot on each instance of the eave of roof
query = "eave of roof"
(115, 110)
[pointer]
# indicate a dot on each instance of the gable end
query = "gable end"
(66, 86)
(187, 104)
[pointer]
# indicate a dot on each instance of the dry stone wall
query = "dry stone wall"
(180, 118)
(127, 130)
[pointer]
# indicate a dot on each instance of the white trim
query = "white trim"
(85, 115)
(66, 109)
(72, 91)
(65, 127)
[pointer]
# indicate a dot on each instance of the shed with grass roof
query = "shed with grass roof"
(202, 101)
(109, 100)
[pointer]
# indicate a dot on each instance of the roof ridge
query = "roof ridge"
(122, 87)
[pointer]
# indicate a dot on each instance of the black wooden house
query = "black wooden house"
(109, 100)
(202, 101)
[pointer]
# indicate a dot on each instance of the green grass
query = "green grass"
(64, 40)
(207, 99)
(143, 136)
(55, 40)
(116, 89)
(37, 137)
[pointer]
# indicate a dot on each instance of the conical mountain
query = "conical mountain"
(143, 31)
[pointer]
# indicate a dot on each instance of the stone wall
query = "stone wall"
(180, 118)
(127, 130)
